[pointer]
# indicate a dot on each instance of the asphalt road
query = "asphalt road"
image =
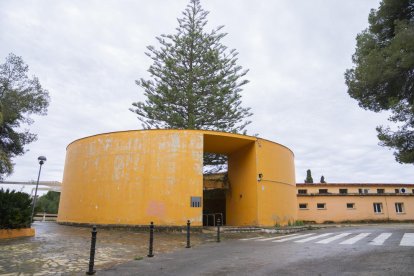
(361, 250)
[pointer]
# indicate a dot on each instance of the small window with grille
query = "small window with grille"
(195, 201)
(303, 206)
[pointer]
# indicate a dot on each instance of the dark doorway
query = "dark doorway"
(214, 207)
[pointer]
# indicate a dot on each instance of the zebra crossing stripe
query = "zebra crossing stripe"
(380, 239)
(295, 237)
(334, 238)
(314, 237)
(278, 237)
(356, 238)
(254, 238)
(407, 239)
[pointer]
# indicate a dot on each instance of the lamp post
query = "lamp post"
(42, 160)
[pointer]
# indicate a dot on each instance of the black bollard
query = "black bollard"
(218, 229)
(188, 234)
(151, 240)
(92, 253)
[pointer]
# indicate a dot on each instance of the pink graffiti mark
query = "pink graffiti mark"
(156, 209)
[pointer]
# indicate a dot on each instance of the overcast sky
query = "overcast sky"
(88, 54)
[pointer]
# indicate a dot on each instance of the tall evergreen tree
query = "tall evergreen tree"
(20, 96)
(309, 178)
(383, 76)
(195, 82)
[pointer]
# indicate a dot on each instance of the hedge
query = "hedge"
(15, 209)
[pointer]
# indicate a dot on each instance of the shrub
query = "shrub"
(48, 203)
(15, 209)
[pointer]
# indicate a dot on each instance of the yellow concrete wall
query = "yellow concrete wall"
(133, 178)
(276, 192)
(241, 198)
(336, 209)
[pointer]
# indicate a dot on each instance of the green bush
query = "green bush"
(48, 203)
(15, 209)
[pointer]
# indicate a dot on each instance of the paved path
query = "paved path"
(58, 249)
(364, 250)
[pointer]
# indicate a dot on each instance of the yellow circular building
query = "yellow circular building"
(134, 177)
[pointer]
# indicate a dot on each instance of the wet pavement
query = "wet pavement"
(62, 249)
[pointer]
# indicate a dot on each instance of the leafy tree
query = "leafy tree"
(309, 178)
(48, 203)
(383, 76)
(15, 209)
(20, 96)
(323, 179)
(195, 81)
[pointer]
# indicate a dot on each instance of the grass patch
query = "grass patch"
(138, 258)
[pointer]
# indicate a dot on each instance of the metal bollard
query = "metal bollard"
(151, 240)
(188, 235)
(92, 253)
(218, 230)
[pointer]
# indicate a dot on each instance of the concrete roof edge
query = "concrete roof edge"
(174, 129)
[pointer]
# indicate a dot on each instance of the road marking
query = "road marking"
(295, 237)
(380, 239)
(278, 237)
(334, 238)
(255, 238)
(407, 239)
(314, 237)
(356, 238)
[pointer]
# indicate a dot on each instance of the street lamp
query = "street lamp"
(42, 160)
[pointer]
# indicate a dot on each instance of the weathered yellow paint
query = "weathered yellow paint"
(277, 189)
(134, 177)
(336, 204)
(16, 233)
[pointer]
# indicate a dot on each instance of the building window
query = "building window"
(366, 191)
(378, 208)
(302, 191)
(323, 191)
(380, 191)
(195, 201)
(360, 191)
(397, 191)
(303, 206)
(343, 191)
(413, 191)
(321, 206)
(399, 207)
(350, 205)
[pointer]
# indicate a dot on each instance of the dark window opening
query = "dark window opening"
(321, 205)
(343, 191)
(377, 207)
(399, 207)
(397, 191)
(323, 191)
(350, 205)
(302, 191)
(303, 206)
(380, 191)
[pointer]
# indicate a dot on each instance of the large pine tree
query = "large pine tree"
(195, 82)
(383, 76)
